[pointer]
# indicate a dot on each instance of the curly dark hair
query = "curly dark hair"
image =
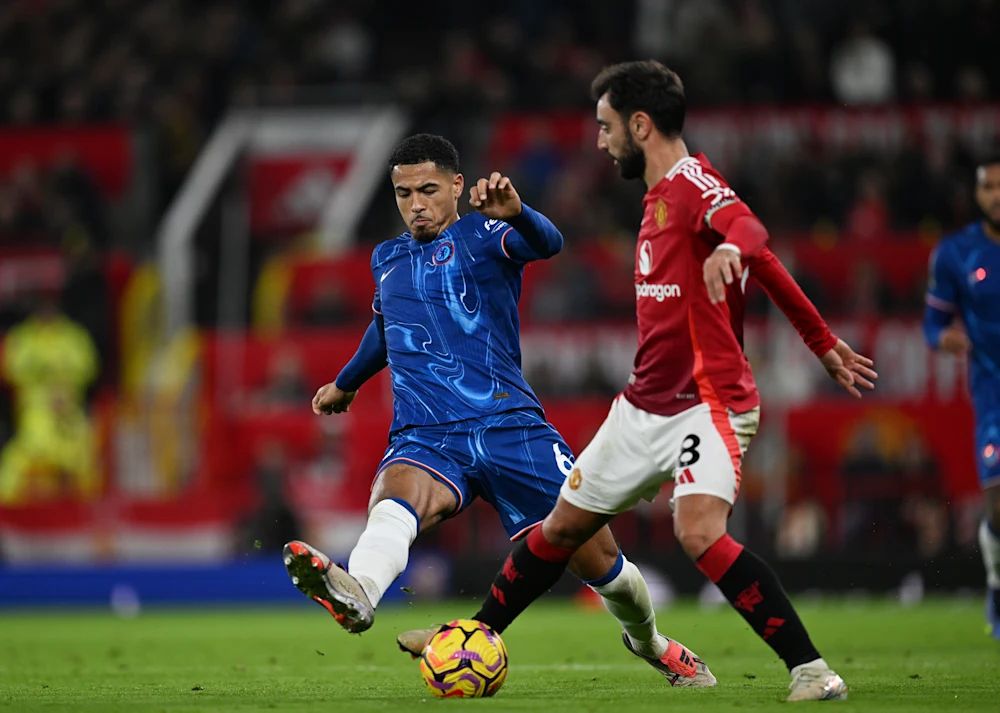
(991, 159)
(421, 148)
(644, 86)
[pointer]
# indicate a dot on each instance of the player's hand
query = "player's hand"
(495, 197)
(954, 340)
(332, 399)
(721, 268)
(849, 369)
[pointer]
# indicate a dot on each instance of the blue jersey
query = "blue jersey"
(449, 317)
(965, 282)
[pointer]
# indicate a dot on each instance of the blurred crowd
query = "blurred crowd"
(182, 62)
(169, 70)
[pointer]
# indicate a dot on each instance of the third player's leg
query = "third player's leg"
(699, 522)
(596, 557)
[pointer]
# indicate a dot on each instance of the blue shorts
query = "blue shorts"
(515, 461)
(988, 447)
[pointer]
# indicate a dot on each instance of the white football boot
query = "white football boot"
(329, 586)
(679, 665)
(816, 682)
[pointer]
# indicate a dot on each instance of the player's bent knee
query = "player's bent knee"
(564, 533)
(696, 540)
(597, 557)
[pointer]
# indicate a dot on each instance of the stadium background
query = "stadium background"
(199, 185)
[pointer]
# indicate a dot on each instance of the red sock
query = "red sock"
(529, 571)
(754, 591)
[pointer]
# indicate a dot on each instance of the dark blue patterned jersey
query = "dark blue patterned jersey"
(448, 308)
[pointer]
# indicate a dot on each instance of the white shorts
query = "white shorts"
(635, 452)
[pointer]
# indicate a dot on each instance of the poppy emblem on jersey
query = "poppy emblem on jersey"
(991, 455)
(977, 275)
(646, 257)
(661, 213)
(443, 253)
(575, 478)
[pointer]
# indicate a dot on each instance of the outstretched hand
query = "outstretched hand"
(495, 197)
(849, 369)
(330, 398)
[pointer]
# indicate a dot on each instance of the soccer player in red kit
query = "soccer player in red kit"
(691, 405)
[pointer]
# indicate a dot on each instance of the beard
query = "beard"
(423, 233)
(632, 164)
(993, 220)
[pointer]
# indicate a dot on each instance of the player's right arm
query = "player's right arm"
(371, 357)
(939, 312)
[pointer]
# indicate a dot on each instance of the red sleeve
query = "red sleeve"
(785, 292)
(714, 204)
(744, 231)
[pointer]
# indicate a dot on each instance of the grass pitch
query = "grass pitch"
(931, 657)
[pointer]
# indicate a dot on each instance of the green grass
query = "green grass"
(932, 657)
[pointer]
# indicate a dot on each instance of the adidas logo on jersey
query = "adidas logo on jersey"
(658, 292)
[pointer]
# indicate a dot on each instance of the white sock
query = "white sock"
(989, 546)
(383, 548)
(627, 598)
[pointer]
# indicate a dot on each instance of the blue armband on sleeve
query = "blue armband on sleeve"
(370, 358)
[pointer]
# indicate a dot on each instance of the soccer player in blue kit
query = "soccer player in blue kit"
(465, 424)
(965, 284)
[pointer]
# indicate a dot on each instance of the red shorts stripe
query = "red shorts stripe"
(720, 415)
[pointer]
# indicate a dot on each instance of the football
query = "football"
(465, 659)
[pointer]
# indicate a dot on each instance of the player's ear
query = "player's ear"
(640, 125)
(458, 185)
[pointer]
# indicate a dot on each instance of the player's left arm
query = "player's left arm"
(842, 363)
(940, 329)
(534, 237)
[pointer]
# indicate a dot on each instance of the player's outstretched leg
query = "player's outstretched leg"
(329, 586)
(602, 566)
(403, 498)
(753, 589)
(378, 558)
(626, 596)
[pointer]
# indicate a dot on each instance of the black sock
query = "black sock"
(529, 571)
(754, 591)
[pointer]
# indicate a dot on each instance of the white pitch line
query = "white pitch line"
(517, 667)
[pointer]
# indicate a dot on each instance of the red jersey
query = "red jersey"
(689, 349)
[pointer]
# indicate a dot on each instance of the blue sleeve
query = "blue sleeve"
(531, 236)
(377, 298)
(942, 297)
(370, 358)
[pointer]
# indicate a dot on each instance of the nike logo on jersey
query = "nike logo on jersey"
(386, 274)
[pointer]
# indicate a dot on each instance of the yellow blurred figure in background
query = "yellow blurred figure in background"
(49, 360)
